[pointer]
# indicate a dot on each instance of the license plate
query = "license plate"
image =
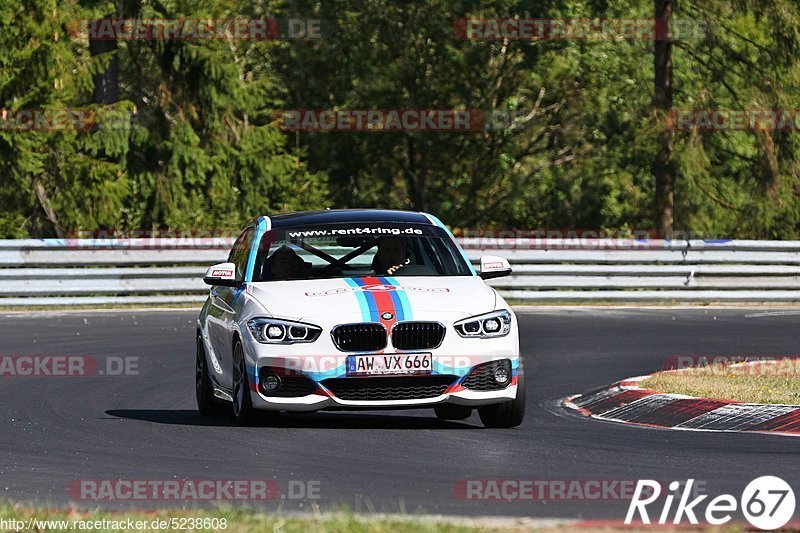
(389, 364)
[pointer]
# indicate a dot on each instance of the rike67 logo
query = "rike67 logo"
(767, 502)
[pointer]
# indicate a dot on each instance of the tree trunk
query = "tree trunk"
(664, 164)
(44, 202)
(106, 82)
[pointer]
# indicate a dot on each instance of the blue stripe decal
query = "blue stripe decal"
(252, 370)
(339, 371)
(403, 296)
(261, 228)
(361, 296)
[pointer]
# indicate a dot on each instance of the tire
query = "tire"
(204, 390)
(448, 411)
(243, 411)
(506, 414)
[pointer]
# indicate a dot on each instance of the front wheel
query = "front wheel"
(506, 414)
(243, 410)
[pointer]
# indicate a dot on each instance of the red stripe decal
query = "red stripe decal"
(383, 301)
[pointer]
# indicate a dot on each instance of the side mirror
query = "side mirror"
(494, 267)
(223, 274)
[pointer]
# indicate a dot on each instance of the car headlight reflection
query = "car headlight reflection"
(277, 331)
(495, 324)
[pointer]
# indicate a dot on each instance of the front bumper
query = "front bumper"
(455, 358)
(450, 371)
(325, 399)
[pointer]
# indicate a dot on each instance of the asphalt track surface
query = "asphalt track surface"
(54, 430)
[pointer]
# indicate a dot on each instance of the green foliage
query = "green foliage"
(186, 147)
(191, 143)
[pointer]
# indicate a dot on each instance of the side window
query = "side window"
(241, 252)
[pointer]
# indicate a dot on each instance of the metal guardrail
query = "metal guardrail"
(43, 272)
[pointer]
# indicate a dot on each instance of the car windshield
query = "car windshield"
(355, 251)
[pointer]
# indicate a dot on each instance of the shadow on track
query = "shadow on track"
(319, 420)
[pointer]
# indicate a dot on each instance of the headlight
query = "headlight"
(495, 324)
(277, 331)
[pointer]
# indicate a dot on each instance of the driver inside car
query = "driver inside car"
(285, 264)
(391, 256)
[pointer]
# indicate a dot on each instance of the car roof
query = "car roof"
(334, 216)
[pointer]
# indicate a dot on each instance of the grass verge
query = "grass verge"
(230, 521)
(238, 520)
(771, 382)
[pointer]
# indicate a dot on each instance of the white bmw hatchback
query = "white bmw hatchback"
(357, 309)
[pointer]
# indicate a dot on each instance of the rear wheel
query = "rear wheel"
(448, 411)
(506, 414)
(204, 390)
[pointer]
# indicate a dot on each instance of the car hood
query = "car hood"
(366, 298)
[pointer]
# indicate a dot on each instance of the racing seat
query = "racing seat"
(264, 263)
